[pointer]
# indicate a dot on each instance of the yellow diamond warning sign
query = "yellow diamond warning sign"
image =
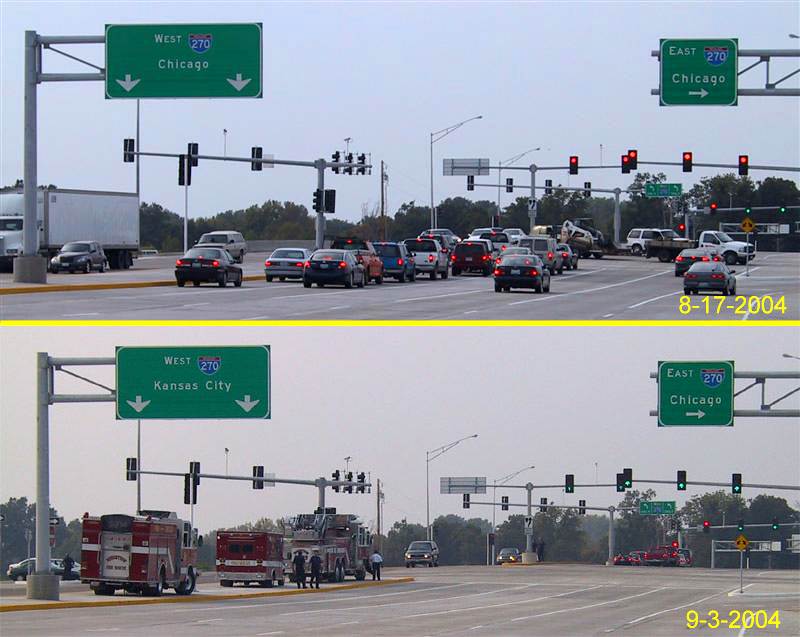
(741, 542)
(747, 225)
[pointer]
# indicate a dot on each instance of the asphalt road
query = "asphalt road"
(620, 288)
(548, 600)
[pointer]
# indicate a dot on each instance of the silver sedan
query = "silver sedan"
(286, 263)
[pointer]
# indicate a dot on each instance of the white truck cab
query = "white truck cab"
(731, 251)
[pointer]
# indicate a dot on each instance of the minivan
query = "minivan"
(231, 240)
(546, 248)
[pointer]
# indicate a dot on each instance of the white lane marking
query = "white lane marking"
(339, 307)
(743, 272)
(275, 632)
(602, 287)
(256, 318)
(471, 312)
(437, 600)
(742, 632)
(102, 630)
(570, 610)
(608, 315)
(669, 610)
(501, 605)
(206, 621)
(476, 627)
(736, 592)
(196, 304)
(83, 314)
(439, 296)
(656, 298)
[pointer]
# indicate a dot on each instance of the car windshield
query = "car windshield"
(470, 249)
(705, 266)
(205, 253)
(214, 238)
(510, 251)
(10, 224)
(387, 250)
(328, 255)
(540, 245)
(75, 247)
(725, 238)
(508, 551)
(288, 254)
(670, 234)
(421, 245)
(419, 546)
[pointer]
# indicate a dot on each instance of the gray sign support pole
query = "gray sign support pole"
(611, 538)
(138, 466)
(529, 536)
(532, 208)
(320, 234)
(321, 483)
(617, 215)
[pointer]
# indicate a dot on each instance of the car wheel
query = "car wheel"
(408, 565)
(677, 273)
(181, 283)
(561, 270)
(306, 284)
(88, 267)
(498, 287)
(241, 257)
(487, 272)
(320, 285)
(413, 276)
(283, 278)
(224, 280)
(433, 274)
(269, 279)
(196, 284)
(362, 281)
(456, 271)
(730, 258)
(636, 250)
(444, 274)
(402, 277)
(349, 282)
(379, 279)
(102, 267)
(537, 289)
(687, 291)
(238, 282)
(664, 256)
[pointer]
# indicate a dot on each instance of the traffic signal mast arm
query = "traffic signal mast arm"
(251, 160)
(635, 480)
(696, 164)
(216, 476)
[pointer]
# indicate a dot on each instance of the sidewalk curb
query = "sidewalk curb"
(104, 286)
(7, 608)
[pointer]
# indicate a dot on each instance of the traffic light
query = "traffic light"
(330, 201)
(587, 188)
(470, 182)
(258, 472)
(736, 483)
(362, 165)
(509, 185)
(744, 164)
(361, 478)
(548, 186)
(465, 502)
(712, 207)
(131, 465)
(625, 163)
(194, 469)
(687, 162)
(336, 476)
(349, 159)
(782, 209)
(620, 483)
(581, 507)
(740, 526)
(189, 489)
(184, 171)
(569, 483)
(336, 158)
(543, 503)
(319, 200)
(256, 152)
(775, 524)
(633, 159)
(627, 474)
(706, 526)
(681, 227)
(349, 477)
(193, 150)
(504, 503)
(128, 147)
(573, 164)
(748, 210)
(681, 480)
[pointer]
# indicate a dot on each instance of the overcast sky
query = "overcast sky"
(561, 399)
(565, 76)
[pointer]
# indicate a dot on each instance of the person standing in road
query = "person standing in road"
(299, 562)
(68, 564)
(376, 559)
(540, 551)
(316, 569)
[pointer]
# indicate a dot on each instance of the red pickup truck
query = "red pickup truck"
(661, 556)
(365, 253)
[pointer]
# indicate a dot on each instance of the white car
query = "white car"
(638, 238)
(515, 234)
(429, 257)
(231, 240)
(731, 251)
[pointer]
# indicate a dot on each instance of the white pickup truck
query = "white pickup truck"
(732, 251)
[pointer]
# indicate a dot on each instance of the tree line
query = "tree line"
(163, 229)
(567, 536)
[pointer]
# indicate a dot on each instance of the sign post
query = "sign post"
(695, 393)
(747, 227)
(741, 543)
(183, 60)
(181, 383)
(699, 72)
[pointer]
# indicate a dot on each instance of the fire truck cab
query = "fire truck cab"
(250, 556)
(142, 554)
(342, 541)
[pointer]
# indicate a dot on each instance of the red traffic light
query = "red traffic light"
(633, 158)
(744, 164)
(687, 162)
(681, 227)
(573, 164)
(713, 206)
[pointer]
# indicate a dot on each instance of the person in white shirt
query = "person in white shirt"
(376, 560)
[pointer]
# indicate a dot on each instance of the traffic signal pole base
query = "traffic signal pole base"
(30, 268)
(529, 557)
(43, 586)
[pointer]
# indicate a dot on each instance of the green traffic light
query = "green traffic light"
(782, 209)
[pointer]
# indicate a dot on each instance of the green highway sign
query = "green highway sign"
(662, 190)
(665, 507)
(699, 72)
(183, 60)
(181, 383)
(695, 393)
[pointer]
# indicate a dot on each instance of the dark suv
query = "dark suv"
(422, 552)
(472, 256)
(80, 256)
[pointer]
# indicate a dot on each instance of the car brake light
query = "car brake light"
(717, 276)
(564, 254)
(497, 271)
(497, 260)
(430, 257)
(679, 258)
(502, 247)
(399, 262)
(268, 263)
(342, 264)
(485, 257)
(453, 257)
(349, 241)
(307, 264)
(179, 262)
(690, 275)
(716, 258)
(534, 273)
(549, 255)
(706, 259)
(215, 264)
(299, 264)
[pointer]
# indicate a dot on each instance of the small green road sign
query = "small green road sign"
(664, 507)
(699, 72)
(182, 383)
(662, 190)
(695, 393)
(183, 60)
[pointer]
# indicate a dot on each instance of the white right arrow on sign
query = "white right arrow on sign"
(247, 404)
(702, 92)
(138, 404)
(699, 413)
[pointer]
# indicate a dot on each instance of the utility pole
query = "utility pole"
(383, 211)
(379, 497)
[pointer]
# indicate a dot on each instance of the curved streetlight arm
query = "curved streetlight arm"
(512, 475)
(791, 356)
(445, 448)
(446, 131)
(516, 158)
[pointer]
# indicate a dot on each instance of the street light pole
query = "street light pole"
(509, 162)
(432, 455)
(501, 481)
(435, 137)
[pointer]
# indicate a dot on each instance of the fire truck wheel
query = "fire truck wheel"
(361, 575)
(102, 589)
(226, 583)
(340, 575)
(187, 587)
(280, 582)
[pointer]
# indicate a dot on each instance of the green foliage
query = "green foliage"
(398, 539)
(18, 527)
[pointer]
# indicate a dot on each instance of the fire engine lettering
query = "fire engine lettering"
(162, 386)
(218, 385)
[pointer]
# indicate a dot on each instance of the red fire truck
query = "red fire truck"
(342, 540)
(139, 554)
(250, 556)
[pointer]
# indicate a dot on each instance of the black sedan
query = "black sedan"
(709, 276)
(520, 271)
(334, 266)
(207, 265)
(686, 258)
